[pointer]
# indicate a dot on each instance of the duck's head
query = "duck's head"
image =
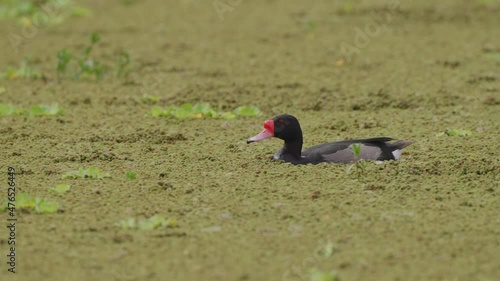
(285, 127)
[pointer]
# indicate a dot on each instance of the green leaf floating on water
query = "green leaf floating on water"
(37, 110)
(185, 111)
(9, 109)
(129, 223)
(157, 111)
(203, 110)
(151, 223)
(327, 250)
(43, 206)
(316, 275)
(60, 188)
(131, 175)
(228, 115)
(37, 205)
(45, 110)
(90, 173)
(95, 173)
(455, 132)
(23, 200)
(247, 111)
(34, 111)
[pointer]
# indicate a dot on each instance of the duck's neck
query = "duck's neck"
(293, 147)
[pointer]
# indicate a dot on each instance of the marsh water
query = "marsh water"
(347, 69)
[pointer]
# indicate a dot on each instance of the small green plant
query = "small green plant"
(131, 175)
(317, 275)
(154, 222)
(247, 111)
(34, 111)
(87, 66)
(327, 250)
(90, 173)
(202, 110)
(359, 164)
(32, 204)
(27, 11)
(60, 188)
(455, 132)
(122, 64)
(26, 71)
(63, 58)
(7, 109)
(45, 110)
(84, 65)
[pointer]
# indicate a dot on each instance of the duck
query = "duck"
(287, 128)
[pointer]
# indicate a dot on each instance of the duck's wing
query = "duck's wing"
(371, 149)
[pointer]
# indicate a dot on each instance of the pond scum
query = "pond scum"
(126, 122)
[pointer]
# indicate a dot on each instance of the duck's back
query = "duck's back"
(340, 152)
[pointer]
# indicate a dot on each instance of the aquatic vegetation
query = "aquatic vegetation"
(359, 164)
(90, 173)
(122, 64)
(7, 109)
(60, 188)
(86, 65)
(28, 11)
(34, 111)
(432, 215)
(317, 275)
(327, 250)
(202, 110)
(38, 205)
(154, 222)
(247, 111)
(63, 58)
(45, 110)
(131, 175)
(455, 132)
(25, 71)
(83, 65)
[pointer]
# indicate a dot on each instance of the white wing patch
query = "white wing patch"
(396, 153)
(277, 155)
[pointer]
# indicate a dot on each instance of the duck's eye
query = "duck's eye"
(281, 121)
